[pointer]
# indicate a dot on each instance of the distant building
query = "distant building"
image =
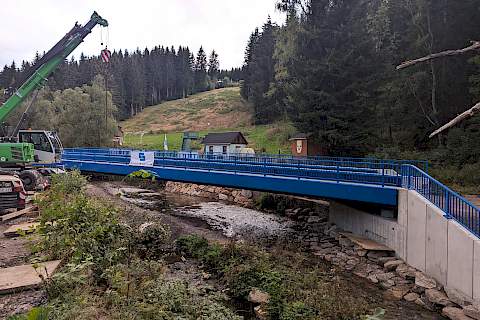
(303, 146)
(224, 143)
(219, 84)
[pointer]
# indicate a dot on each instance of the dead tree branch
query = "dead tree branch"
(475, 46)
(467, 114)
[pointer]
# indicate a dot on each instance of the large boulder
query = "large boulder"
(257, 296)
(453, 313)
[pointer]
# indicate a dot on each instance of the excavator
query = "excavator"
(22, 152)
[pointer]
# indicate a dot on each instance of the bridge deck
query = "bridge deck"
(254, 181)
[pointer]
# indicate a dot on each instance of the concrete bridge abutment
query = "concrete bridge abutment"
(422, 236)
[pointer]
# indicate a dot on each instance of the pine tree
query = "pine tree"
(213, 66)
(201, 82)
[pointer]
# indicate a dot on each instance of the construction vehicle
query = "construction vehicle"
(20, 149)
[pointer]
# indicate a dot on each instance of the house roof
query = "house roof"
(301, 136)
(225, 137)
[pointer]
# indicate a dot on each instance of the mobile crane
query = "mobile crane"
(22, 148)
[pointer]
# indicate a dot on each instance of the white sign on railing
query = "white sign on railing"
(142, 158)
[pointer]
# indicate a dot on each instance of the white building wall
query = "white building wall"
(235, 148)
(231, 148)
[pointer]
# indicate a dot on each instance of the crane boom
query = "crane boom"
(49, 62)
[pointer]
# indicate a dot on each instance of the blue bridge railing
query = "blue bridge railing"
(387, 173)
(357, 170)
(451, 203)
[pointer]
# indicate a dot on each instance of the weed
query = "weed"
(39, 313)
(297, 291)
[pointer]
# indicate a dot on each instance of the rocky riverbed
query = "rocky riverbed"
(406, 293)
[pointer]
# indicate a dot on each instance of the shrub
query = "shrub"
(212, 256)
(192, 245)
(153, 241)
(297, 311)
(39, 313)
(74, 226)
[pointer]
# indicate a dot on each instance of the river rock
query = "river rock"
(372, 279)
(261, 312)
(387, 284)
(257, 296)
(385, 276)
(398, 292)
(406, 271)
(223, 197)
(437, 297)
(453, 313)
(247, 194)
(457, 297)
(383, 260)
(418, 289)
(424, 281)
(392, 265)
(473, 311)
(411, 297)
(361, 272)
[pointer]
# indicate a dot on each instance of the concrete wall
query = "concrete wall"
(424, 238)
(382, 230)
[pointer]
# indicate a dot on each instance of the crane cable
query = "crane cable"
(106, 74)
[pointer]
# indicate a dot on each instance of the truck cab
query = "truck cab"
(47, 145)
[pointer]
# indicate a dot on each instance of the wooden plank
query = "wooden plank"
(365, 243)
(27, 227)
(16, 214)
(23, 277)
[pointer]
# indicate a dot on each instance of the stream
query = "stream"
(222, 222)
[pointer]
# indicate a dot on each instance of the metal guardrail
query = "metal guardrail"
(392, 173)
(384, 173)
(370, 163)
(451, 203)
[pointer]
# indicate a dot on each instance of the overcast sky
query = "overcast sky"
(28, 26)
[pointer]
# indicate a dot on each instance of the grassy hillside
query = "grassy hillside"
(213, 111)
(222, 108)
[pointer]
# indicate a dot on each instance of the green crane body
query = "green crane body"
(17, 152)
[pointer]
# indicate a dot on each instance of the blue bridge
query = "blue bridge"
(365, 180)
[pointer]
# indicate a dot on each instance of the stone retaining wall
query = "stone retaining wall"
(245, 198)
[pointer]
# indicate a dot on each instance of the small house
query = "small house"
(303, 146)
(224, 143)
